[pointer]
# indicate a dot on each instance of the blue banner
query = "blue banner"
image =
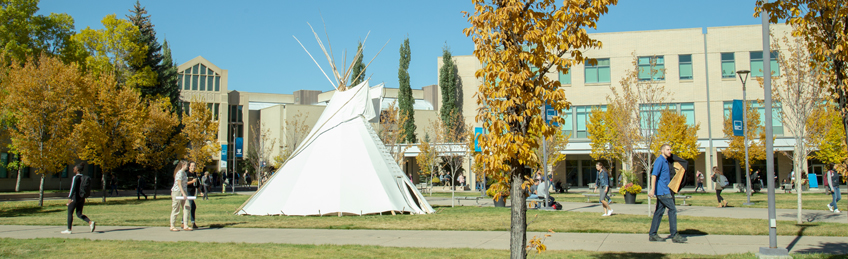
(477, 132)
(224, 152)
(550, 113)
(737, 112)
(239, 147)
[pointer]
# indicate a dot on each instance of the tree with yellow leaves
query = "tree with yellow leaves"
(44, 102)
(823, 24)
(682, 137)
(604, 133)
(518, 43)
(825, 135)
(162, 141)
(114, 49)
(392, 132)
(756, 135)
(426, 159)
(111, 124)
(201, 133)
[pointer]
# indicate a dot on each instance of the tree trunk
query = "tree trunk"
(798, 184)
(155, 183)
(41, 192)
(18, 182)
(518, 220)
(103, 178)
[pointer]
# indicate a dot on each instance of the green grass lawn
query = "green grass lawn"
(218, 212)
(82, 248)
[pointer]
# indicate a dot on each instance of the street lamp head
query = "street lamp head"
(743, 72)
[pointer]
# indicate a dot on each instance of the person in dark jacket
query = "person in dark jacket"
(75, 201)
(193, 183)
(139, 190)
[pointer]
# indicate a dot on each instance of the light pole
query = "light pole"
(745, 133)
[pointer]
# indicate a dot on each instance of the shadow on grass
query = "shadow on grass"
(630, 255)
(833, 250)
(25, 211)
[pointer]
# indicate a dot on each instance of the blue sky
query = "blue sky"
(253, 39)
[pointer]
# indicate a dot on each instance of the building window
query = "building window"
(685, 66)
(194, 69)
(568, 121)
(776, 120)
(194, 82)
(651, 68)
(215, 111)
(565, 78)
(202, 69)
(688, 110)
(202, 83)
(180, 81)
(650, 115)
(599, 73)
(209, 83)
(728, 65)
(757, 64)
(217, 83)
(187, 83)
(582, 114)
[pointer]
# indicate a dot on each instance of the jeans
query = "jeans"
(140, 192)
(837, 195)
(718, 195)
(700, 185)
(115, 189)
(665, 201)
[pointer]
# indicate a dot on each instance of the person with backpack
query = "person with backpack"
(660, 179)
(80, 189)
(720, 182)
(833, 182)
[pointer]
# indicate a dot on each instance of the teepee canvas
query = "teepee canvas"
(341, 168)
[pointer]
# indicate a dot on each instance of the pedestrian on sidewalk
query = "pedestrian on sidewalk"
(204, 185)
(660, 178)
(833, 180)
(139, 189)
(699, 177)
(179, 190)
(192, 184)
(720, 181)
(603, 187)
(76, 199)
(114, 184)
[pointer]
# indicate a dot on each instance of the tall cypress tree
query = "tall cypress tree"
(405, 100)
(447, 84)
(357, 74)
(168, 78)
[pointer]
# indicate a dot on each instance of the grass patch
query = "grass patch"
(811, 201)
(218, 212)
(82, 248)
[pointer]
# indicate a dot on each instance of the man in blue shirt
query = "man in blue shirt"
(660, 177)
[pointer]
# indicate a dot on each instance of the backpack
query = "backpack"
(85, 186)
(723, 181)
(557, 206)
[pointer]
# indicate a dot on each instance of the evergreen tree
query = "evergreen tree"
(168, 79)
(357, 74)
(447, 83)
(405, 100)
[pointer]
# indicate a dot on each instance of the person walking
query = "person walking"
(76, 201)
(114, 184)
(603, 188)
(461, 180)
(720, 181)
(660, 178)
(139, 189)
(699, 177)
(833, 182)
(191, 189)
(204, 185)
(179, 191)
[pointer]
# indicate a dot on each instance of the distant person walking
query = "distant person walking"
(76, 199)
(461, 180)
(660, 178)
(114, 184)
(603, 188)
(177, 191)
(139, 189)
(204, 185)
(699, 177)
(833, 181)
(720, 181)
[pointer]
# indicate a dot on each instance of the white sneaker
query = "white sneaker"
(91, 226)
(605, 215)
(829, 207)
(835, 210)
(66, 231)
(610, 212)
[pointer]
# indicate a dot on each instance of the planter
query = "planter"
(500, 202)
(630, 198)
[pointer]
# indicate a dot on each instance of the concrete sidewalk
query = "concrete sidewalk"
(698, 211)
(598, 242)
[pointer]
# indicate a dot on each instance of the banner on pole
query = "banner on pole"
(737, 120)
(239, 147)
(477, 132)
(224, 152)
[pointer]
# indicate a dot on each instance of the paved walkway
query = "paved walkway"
(598, 242)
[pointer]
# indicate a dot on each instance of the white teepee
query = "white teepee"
(341, 168)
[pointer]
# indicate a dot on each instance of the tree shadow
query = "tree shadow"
(834, 250)
(25, 211)
(630, 255)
